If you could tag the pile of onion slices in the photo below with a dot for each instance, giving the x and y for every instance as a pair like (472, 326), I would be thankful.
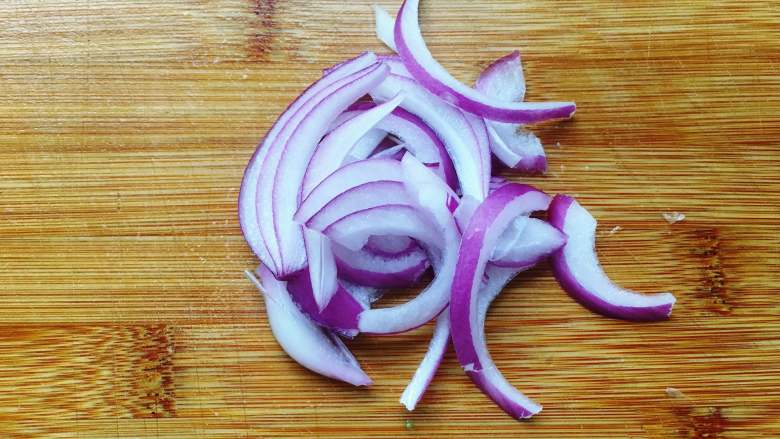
(382, 170)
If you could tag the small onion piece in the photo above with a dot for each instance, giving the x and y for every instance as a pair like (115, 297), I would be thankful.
(576, 268)
(385, 27)
(503, 79)
(513, 146)
(342, 312)
(433, 76)
(366, 268)
(487, 224)
(534, 242)
(313, 347)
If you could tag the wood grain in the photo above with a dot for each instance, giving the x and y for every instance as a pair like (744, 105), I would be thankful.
(124, 129)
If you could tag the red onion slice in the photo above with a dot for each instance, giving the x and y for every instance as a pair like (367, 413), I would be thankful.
(391, 246)
(487, 224)
(418, 139)
(364, 267)
(345, 178)
(334, 148)
(247, 213)
(514, 147)
(340, 314)
(430, 363)
(577, 269)
(354, 229)
(449, 124)
(425, 69)
(503, 79)
(534, 242)
(496, 279)
(278, 193)
(385, 27)
(308, 344)
(323, 271)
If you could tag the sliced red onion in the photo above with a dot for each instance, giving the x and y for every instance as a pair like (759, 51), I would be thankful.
(425, 69)
(449, 124)
(423, 376)
(577, 269)
(282, 173)
(345, 178)
(391, 246)
(536, 241)
(496, 279)
(323, 271)
(247, 213)
(397, 66)
(330, 153)
(487, 224)
(340, 314)
(418, 139)
(373, 140)
(354, 229)
(514, 147)
(362, 197)
(308, 344)
(328, 156)
(503, 79)
(394, 152)
(385, 24)
(497, 182)
(366, 268)
(518, 149)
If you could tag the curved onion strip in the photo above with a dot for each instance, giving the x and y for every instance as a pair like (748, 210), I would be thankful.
(366, 268)
(279, 189)
(496, 279)
(265, 187)
(385, 24)
(534, 242)
(247, 214)
(340, 314)
(577, 269)
(449, 124)
(323, 272)
(311, 346)
(487, 224)
(354, 229)
(423, 376)
(364, 196)
(418, 139)
(328, 156)
(334, 148)
(425, 69)
(347, 177)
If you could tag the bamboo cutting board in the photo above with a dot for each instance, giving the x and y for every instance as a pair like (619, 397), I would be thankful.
(124, 129)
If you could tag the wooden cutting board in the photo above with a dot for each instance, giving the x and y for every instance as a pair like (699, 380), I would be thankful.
(124, 130)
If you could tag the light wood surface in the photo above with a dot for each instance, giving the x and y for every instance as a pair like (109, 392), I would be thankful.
(124, 130)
